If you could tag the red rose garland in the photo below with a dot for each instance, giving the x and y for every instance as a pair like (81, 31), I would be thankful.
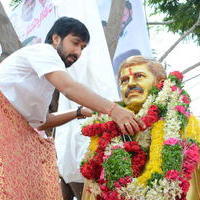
(111, 127)
(98, 129)
(152, 116)
(139, 158)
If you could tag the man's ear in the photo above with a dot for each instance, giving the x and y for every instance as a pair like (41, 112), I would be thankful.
(56, 40)
(159, 83)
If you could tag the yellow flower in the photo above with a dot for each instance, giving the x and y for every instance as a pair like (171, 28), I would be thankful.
(155, 159)
(94, 141)
(192, 130)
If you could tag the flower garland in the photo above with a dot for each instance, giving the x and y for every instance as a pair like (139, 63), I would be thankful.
(125, 170)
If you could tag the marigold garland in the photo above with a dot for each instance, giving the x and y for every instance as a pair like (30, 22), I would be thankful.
(93, 143)
(155, 160)
(192, 129)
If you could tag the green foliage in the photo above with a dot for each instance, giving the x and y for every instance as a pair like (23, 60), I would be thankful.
(183, 119)
(154, 90)
(176, 80)
(162, 110)
(184, 14)
(154, 176)
(15, 3)
(118, 165)
(172, 157)
(192, 141)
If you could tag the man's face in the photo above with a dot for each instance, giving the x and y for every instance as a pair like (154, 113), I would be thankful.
(70, 48)
(135, 83)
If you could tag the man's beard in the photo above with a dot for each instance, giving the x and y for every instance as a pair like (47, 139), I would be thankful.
(64, 58)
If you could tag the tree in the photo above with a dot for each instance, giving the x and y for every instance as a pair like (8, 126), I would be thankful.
(182, 15)
(15, 3)
(9, 40)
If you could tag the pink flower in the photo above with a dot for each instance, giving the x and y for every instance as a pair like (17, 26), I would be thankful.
(175, 88)
(177, 74)
(116, 147)
(171, 141)
(190, 161)
(102, 175)
(193, 153)
(185, 99)
(182, 110)
(172, 174)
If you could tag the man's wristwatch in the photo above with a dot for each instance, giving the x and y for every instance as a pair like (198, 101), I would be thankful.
(79, 115)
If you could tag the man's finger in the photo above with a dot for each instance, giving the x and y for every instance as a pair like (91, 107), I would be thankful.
(123, 130)
(135, 125)
(140, 122)
(129, 128)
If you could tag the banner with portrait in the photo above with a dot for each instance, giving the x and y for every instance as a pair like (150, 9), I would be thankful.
(32, 20)
(133, 38)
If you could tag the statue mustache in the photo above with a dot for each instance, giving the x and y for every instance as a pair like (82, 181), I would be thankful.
(133, 88)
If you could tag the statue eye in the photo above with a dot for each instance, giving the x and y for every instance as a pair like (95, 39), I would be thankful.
(139, 75)
(124, 80)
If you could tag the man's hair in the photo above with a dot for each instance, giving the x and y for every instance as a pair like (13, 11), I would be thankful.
(154, 67)
(65, 26)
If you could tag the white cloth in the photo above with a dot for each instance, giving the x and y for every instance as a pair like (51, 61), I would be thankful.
(93, 69)
(23, 82)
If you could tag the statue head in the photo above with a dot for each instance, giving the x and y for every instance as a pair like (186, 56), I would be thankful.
(137, 75)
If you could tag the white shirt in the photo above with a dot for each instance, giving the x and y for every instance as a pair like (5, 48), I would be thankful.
(23, 82)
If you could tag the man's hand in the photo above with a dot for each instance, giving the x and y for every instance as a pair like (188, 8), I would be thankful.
(126, 120)
(85, 112)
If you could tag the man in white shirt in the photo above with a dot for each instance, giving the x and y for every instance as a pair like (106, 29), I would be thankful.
(33, 72)
(29, 76)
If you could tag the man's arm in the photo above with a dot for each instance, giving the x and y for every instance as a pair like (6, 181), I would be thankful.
(55, 119)
(86, 97)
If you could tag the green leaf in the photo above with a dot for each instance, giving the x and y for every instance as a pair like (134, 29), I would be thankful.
(118, 165)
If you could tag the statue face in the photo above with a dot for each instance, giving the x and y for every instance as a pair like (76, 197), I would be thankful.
(135, 83)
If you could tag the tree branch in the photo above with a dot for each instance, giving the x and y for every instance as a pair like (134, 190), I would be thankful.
(191, 68)
(180, 39)
(160, 23)
(191, 78)
(113, 27)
